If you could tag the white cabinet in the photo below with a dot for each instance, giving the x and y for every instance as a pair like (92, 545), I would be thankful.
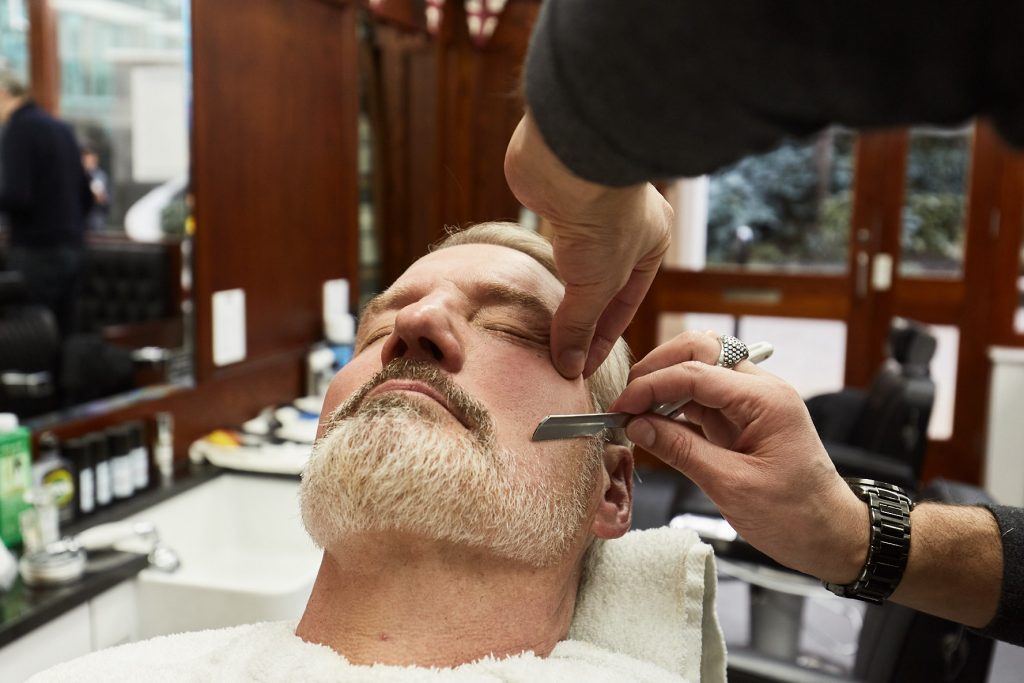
(59, 640)
(111, 618)
(114, 616)
(1004, 466)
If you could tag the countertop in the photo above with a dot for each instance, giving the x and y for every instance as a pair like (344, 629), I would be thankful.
(23, 609)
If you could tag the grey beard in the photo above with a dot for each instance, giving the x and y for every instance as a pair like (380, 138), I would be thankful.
(391, 464)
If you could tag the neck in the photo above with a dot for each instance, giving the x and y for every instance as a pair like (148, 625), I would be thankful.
(407, 602)
(11, 105)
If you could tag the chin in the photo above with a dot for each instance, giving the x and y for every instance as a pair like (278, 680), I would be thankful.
(394, 469)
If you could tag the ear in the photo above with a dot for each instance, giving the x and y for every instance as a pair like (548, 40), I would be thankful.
(615, 509)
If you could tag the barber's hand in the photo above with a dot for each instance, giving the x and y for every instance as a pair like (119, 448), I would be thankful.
(608, 245)
(758, 456)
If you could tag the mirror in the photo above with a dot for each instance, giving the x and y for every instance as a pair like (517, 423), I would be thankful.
(120, 329)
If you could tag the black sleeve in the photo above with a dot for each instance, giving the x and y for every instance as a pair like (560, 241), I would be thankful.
(16, 173)
(1008, 624)
(633, 90)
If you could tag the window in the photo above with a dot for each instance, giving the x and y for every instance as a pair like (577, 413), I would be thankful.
(14, 36)
(788, 209)
(124, 88)
(934, 207)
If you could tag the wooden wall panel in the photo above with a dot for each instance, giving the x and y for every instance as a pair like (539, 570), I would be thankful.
(44, 63)
(480, 105)
(444, 115)
(404, 113)
(276, 97)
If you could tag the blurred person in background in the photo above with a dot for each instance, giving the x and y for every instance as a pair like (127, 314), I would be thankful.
(99, 184)
(45, 198)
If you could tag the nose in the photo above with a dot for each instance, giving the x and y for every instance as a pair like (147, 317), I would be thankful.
(424, 330)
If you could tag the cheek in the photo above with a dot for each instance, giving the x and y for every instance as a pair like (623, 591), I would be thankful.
(348, 380)
(520, 390)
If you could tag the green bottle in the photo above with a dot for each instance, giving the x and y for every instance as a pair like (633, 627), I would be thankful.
(15, 476)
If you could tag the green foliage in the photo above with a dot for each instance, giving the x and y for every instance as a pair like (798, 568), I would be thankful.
(777, 195)
(801, 219)
(933, 214)
(933, 230)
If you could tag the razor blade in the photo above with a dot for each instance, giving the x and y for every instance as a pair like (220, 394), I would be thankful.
(555, 427)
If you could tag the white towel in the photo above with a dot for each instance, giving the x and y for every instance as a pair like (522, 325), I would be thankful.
(645, 613)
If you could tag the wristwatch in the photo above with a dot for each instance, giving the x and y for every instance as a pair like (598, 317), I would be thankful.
(890, 510)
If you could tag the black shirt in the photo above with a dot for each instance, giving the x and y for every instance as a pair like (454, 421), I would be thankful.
(44, 190)
(631, 90)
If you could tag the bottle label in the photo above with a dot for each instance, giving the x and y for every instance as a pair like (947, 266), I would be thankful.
(124, 477)
(140, 469)
(103, 482)
(86, 491)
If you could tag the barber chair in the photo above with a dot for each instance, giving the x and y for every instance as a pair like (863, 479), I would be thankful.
(124, 283)
(127, 320)
(29, 348)
(882, 433)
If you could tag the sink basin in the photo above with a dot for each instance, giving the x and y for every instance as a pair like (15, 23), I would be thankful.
(245, 556)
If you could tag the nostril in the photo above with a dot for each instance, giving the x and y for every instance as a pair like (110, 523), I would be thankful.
(400, 348)
(431, 348)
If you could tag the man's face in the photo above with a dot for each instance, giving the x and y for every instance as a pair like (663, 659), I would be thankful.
(439, 443)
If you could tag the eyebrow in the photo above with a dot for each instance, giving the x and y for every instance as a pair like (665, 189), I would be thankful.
(488, 292)
(499, 293)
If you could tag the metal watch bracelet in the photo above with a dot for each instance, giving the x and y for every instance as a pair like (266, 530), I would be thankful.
(889, 547)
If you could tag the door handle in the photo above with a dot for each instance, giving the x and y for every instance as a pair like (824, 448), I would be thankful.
(863, 262)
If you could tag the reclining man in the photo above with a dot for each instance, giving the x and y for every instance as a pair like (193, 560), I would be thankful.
(451, 540)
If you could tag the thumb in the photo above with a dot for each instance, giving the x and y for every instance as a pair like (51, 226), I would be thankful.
(572, 328)
(680, 447)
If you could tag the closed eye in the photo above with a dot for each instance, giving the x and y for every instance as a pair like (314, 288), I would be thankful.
(374, 338)
(519, 334)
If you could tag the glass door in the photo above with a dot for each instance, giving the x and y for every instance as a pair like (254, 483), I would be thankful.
(820, 244)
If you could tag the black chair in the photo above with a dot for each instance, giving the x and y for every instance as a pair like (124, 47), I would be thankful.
(124, 283)
(29, 351)
(882, 433)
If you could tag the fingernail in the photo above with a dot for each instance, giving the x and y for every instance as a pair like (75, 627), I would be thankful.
(641, 432)
(572, 362)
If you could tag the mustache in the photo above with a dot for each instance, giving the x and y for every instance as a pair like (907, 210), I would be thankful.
(467, 409)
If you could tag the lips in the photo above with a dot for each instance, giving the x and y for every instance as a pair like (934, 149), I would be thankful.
(418, 387)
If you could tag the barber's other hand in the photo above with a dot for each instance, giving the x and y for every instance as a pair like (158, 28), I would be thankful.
(756, 455)
(608, 245)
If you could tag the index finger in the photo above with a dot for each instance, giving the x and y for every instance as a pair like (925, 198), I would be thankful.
(739, 396)
(619, 312)
(690, 345)
(573, 325)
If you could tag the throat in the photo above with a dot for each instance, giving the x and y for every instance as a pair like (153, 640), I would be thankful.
(437, 611)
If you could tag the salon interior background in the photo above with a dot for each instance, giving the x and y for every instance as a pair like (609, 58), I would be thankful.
(346, 157)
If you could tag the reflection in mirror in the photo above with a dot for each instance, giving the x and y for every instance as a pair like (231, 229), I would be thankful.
(94, 271)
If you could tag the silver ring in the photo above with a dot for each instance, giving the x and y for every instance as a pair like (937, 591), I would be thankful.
(733, 351)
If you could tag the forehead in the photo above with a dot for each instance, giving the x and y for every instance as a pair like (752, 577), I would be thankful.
(469, 264)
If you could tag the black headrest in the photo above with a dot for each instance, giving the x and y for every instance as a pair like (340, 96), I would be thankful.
(12, 288)
(912, 346)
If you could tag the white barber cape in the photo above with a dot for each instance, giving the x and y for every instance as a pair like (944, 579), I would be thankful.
(645, 612)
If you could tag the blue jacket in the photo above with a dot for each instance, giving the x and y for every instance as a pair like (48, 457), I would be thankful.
(44, 190)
